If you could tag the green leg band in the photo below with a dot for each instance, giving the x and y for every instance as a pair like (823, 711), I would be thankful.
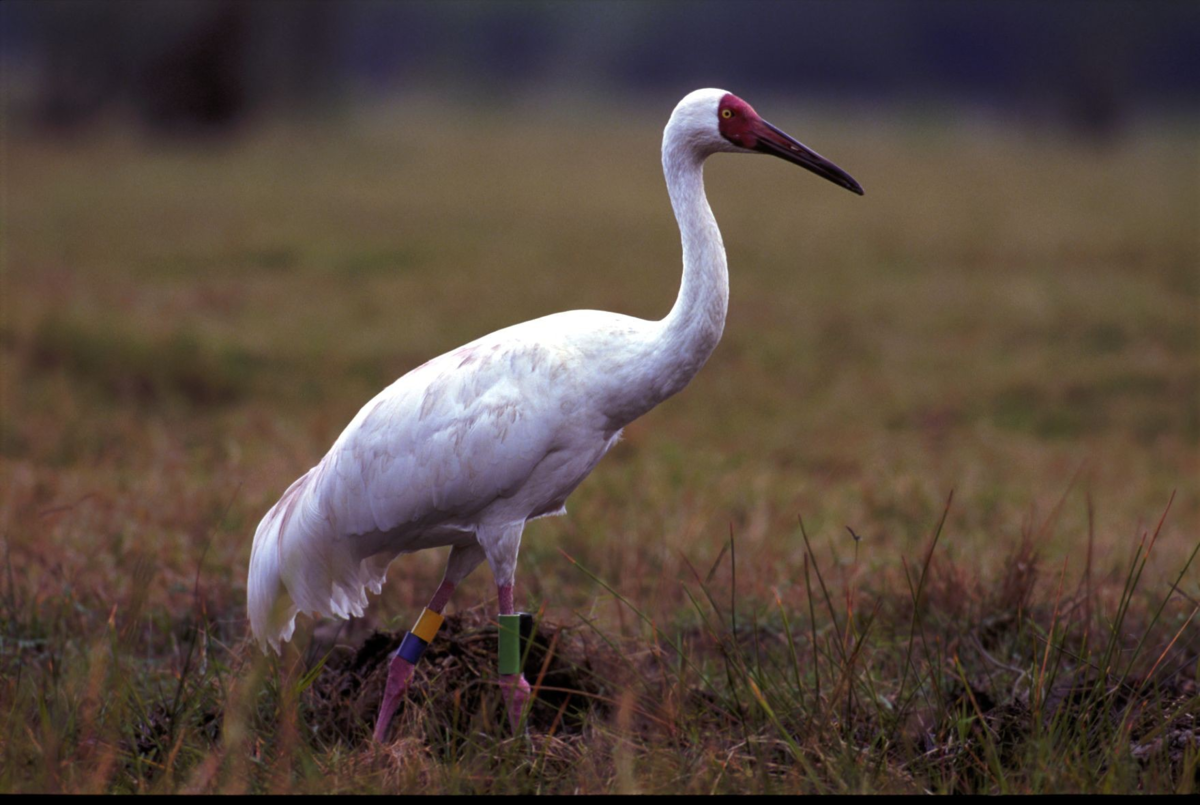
(510, 644)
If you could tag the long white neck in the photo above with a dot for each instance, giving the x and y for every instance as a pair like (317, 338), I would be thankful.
(690, 332)
(671, 351)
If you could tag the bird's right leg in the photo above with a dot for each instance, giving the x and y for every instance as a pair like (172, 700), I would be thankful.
(462, 561)
(502, 546)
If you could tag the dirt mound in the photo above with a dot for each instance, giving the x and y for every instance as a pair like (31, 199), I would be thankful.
(455, 684)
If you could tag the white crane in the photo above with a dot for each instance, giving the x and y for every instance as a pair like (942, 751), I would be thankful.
(464, 450)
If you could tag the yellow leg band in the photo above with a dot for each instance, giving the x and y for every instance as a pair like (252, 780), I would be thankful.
(427, 625)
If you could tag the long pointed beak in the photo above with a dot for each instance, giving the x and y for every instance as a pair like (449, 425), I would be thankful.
(770, 140)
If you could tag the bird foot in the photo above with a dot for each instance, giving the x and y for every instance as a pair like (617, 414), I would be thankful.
(399, 675)
(516, 692)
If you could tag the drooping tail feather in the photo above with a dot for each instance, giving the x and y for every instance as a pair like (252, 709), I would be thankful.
(272, 611)
(298, 563)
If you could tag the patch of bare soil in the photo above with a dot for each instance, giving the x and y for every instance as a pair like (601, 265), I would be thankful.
(456, 680)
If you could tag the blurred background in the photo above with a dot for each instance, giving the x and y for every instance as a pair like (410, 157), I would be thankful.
(228, 224)
(188, 65)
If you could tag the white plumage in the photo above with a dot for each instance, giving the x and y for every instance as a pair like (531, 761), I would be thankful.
(465, 449)
(478, 440)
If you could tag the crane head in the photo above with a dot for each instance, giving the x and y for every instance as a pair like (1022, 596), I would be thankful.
(716, 120)
(740, 124)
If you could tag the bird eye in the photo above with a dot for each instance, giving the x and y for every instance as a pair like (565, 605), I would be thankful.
(726, 113)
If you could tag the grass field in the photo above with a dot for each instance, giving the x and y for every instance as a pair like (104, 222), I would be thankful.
(1008, 316)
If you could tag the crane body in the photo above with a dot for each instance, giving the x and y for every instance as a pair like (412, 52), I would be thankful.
(456, 452)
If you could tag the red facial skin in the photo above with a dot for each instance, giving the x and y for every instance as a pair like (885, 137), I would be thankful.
(738, 126)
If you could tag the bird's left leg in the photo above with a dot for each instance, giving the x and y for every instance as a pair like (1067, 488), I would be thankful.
(501, 547)
(463, 559)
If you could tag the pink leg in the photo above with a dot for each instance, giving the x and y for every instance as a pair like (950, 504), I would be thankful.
(513, 687)
(401, 670)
